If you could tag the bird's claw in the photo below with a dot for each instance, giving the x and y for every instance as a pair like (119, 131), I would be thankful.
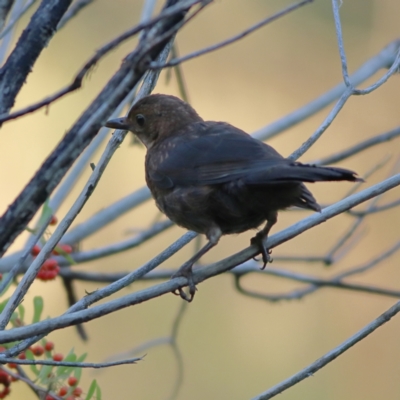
(186, 272)
(265, 253)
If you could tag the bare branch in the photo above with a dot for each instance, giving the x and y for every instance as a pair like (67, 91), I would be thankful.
(80, 135)
(5, 7)
(18, 361)
(77, 82)
(35, 37)
(75, 8)
(376, 209)
(339, 36)
(73, 316)
(342, 155)
(233, 39)
(49, 175)
(16, 18)
(330, 356)
(384, 59)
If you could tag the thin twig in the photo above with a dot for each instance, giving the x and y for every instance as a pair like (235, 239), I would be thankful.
(75, 8)
(330, 356)
(77, 82)
(15, 19)
(342, 155)
(5, 7)
(384, 59)
(5, 360)
(339, 36)
(232, 39)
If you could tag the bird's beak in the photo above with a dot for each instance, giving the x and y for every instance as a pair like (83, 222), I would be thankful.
(118, 123)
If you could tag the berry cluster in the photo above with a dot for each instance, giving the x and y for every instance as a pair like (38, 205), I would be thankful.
(70, 391)
(50, 268)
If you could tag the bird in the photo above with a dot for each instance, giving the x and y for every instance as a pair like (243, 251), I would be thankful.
(215, 179)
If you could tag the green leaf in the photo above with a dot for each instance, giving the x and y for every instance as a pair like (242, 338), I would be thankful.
(98, 392)
(21, 310)
(31, 357)
(91, 390)
(11, 282)
(64, 371)
(3, 304)
(47, 212)
(37, 308)
(44, 373)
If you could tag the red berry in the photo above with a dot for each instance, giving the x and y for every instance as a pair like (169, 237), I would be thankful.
(72, 381)
(49, 270)
(37, 350)
(49, 346)
(4, 378)
(4, 392)
(63, 391)
(49, 264)
(35, 250)
(77, 392)
(53, 220)
(58, 357)
(49, 397)
(11, 365)
(22, 356)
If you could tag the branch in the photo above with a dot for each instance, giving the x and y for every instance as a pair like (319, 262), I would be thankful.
(4, 360)
(235, 38)
(77, 82)
(382, 138)
(330, 356)
(75, 8)
(16, 18)
(5, 7)
(384, 59)
(35, 37)
(73, 317)
(16, 218)
(120, 85)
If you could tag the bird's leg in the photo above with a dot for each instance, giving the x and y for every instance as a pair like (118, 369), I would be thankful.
(263, 234)
(186, 270)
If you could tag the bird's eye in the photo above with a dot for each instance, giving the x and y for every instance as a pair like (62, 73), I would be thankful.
(140, 119)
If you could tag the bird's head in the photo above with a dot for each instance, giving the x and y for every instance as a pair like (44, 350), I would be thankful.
(156, 117)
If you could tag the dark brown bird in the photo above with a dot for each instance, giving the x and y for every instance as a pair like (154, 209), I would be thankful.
(213, 178)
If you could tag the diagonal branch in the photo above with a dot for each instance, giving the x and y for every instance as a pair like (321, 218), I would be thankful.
(35, 37)
(18, 215)
(79, 312)
(78, 80)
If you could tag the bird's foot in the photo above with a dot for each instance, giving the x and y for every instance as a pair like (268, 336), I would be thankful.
(186, 272)
(265, 253)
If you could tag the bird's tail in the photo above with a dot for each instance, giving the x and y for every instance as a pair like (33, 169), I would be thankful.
(313, 173)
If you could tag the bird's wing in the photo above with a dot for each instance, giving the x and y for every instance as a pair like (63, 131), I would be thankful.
(209, 153)
(213, 153)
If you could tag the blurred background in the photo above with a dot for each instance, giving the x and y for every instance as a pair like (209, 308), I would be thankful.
(233, 347)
